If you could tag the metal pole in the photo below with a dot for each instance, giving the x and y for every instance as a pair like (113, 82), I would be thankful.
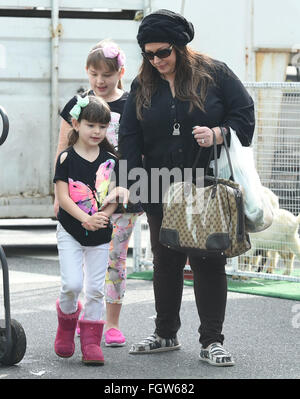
(182, 7)
(5, 273)
(55, 31)
(250, 73)
(147, 7)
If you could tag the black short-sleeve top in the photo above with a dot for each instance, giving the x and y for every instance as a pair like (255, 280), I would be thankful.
(88, 184)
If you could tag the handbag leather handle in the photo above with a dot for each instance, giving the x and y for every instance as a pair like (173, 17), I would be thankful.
(227, 151)
(194, 167)
(215, 155)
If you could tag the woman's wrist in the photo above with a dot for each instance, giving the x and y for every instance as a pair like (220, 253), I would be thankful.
(85, 218)
(225, 129)
(218, 133)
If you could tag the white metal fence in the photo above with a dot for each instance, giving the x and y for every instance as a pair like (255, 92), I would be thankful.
(275, 253)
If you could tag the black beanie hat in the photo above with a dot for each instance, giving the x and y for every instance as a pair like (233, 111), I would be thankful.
(165, 26)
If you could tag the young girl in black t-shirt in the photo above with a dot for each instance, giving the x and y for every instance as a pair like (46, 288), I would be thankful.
(85, 173)
(105, 69)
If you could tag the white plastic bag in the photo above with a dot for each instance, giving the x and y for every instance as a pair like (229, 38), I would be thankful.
(258, 209)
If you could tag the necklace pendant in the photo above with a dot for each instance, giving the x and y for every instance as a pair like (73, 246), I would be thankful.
(176, 127)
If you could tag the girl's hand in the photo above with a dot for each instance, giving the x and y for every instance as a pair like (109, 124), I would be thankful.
(204, 135)
(95, 222)
(115, 194)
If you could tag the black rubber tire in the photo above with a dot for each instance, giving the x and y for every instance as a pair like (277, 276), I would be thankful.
(4, 133)
(18, 345)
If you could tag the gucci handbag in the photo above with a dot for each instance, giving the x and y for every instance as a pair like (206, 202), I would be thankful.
(207, 220)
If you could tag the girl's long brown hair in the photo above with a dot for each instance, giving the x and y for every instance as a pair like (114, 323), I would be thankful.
(97, 111)
(192, 68)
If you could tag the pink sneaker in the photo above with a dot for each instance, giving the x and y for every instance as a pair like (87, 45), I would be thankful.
(114, 337)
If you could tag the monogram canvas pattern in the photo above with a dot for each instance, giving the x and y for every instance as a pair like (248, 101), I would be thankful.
(196, 216)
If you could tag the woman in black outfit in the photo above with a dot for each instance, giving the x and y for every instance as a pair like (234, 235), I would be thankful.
(176, 100)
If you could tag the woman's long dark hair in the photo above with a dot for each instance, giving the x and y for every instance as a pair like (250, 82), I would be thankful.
(97, 111)
(192, 68)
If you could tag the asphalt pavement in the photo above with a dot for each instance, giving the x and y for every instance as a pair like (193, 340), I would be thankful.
(262, 333)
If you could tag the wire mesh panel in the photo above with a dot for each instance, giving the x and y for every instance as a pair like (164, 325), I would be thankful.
(275, 252)
(277, 139)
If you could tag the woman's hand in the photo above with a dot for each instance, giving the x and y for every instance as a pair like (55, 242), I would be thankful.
(116, 194)
(204, 135)
(98, 220)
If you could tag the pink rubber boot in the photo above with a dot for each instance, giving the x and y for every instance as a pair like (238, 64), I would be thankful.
(90, 339)
(64, 344)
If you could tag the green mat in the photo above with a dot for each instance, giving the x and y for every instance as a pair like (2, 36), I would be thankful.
(255, 286)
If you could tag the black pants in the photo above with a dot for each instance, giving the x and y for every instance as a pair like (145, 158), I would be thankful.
(210, 288)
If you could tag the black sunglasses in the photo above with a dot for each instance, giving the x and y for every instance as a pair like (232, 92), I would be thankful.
(163, 53)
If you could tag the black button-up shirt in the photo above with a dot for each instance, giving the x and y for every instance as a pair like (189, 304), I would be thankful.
(149, 143)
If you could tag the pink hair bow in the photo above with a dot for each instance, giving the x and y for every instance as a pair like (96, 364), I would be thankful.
(112, 51)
